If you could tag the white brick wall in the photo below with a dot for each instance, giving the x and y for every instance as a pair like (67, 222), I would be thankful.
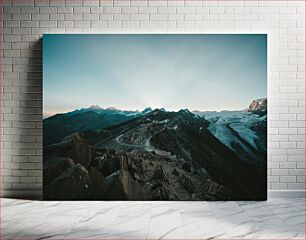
(24, 22)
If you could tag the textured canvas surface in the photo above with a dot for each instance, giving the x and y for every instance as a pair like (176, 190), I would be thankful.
(155, 117)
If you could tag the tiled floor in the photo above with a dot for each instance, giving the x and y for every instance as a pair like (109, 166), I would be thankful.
(274, 219)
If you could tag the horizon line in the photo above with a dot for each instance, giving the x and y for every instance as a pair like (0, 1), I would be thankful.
(50, 114)
(141, 109)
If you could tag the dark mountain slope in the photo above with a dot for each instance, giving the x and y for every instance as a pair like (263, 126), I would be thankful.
(219, 161)
(61, 125)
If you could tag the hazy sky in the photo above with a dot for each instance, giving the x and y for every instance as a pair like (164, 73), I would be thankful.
(129, 72)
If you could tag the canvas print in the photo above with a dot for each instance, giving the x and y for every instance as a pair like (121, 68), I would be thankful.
(155, 117)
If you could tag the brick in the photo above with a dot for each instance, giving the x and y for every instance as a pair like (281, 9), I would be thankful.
(21, 16)
(278, 151)
(81, 10)
(296, 158)
(185, 24)
(35, 31)
(57, 3)
(19, 173)
(300, 165)
(74, 3)
(288, 145)
(288, 53)
(130, 24)
(228, 17)
(139, 17)
(127, 10)
(21, 31)
(288, 179)
(202, 10)
(9, 9)
(63, 10)
(296, 45)
(44, 16)
(91, 3)
(104, 17)
(11, 24)
(47, 23)
(296, 172)
(158, 3)
(11, 179)
(148, 24)
(139, 3)
(73, 16)
(210, 17)
(122, 3)
(40, 3)
(36, 173)
(29, 24)
(29, 10)
(216, 10)
(166, 10)
(242, 10)
(273, 179)
(300, 179)
(98, 24)
(57, 17)
(242, 24)
(268, 10)
(296, 151)
(11, 53)
(111, 10)
(265, 24)
(273, 165)
(147, 9)
(28, 179)
(121, 17)
(113, 24)
(167, 24)
(96, 10)
(185, 10)
(287, 116)
(277, 186)
(91, 16)
(222, 24)
(106, 3)
(82, 24)
(176, 3)
(22, 3)
(191, 3)
(296, 186)
(297, 124)
(193, 17)
(287, 131)
(176, 17)
(230, 3)
(287, 165)
(11, 38)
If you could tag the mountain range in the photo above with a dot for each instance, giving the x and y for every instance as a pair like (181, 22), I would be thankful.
(58, 126)
(110, 154)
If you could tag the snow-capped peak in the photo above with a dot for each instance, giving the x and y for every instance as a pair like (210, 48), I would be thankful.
(258, 105)
(97, 107)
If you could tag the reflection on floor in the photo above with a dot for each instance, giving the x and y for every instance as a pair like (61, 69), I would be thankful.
(274, 219)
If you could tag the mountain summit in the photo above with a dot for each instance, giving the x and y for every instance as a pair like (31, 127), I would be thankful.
(96, 107)
(258, 105)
